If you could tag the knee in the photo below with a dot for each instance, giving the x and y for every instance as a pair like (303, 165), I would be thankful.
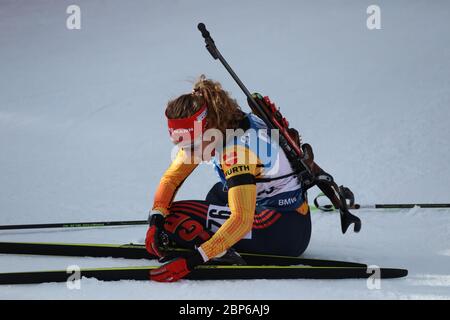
(185, 231)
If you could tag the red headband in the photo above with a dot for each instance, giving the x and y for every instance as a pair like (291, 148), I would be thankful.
(194, 125)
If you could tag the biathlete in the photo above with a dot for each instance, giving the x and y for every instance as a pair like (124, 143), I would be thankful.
(259, 206)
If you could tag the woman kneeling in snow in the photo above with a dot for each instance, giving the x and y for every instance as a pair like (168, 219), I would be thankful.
(260, 206)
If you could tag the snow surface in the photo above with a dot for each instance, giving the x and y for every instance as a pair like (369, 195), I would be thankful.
(83, 136)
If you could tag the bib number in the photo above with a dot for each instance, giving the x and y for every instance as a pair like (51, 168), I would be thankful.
(217, 215)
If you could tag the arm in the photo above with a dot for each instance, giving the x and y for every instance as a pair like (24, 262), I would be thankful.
(242, 201)
(171, 180)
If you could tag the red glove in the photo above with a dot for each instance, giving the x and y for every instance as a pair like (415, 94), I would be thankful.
(152, 239)
(176, 269)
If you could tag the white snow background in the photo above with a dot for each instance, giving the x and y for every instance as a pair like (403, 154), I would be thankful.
(83, 135)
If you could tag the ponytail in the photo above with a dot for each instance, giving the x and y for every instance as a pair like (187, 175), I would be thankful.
(223, 111)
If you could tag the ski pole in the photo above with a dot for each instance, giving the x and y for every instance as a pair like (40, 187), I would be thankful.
(403, 206)
(74, 225)
(330, 207)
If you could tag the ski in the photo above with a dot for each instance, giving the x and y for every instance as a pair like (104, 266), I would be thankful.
(138, 251)
(204, 272)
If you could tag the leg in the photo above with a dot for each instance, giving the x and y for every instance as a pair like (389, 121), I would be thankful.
(287, 233)
(185, 225)
(191, 223)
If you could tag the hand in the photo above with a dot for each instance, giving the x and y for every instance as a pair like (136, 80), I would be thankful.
(152, 239)
(177, 269)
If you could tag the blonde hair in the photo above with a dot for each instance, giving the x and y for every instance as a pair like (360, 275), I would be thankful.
(223, 111)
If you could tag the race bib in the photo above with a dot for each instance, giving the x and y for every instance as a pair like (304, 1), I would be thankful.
(217, 215)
